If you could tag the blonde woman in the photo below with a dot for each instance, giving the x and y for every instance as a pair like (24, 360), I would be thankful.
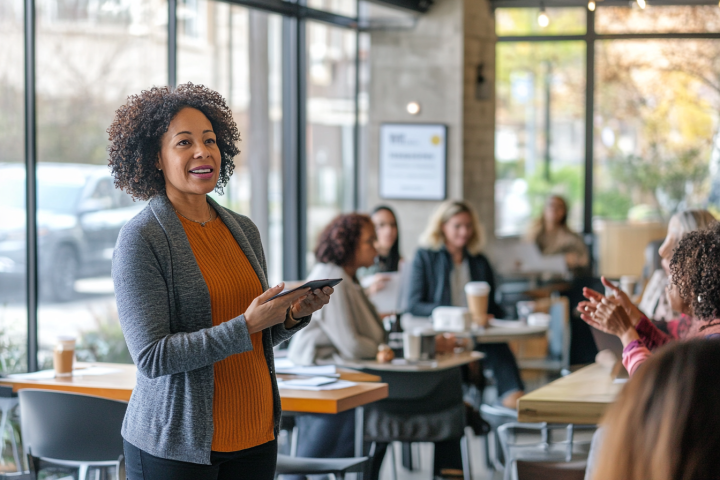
(450, 256)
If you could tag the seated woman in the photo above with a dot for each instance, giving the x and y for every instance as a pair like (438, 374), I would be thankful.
(553, 236)
(449, 259)
(664, 424)
(693, 290)
(387, 244)
(654, 301)
(348, 327)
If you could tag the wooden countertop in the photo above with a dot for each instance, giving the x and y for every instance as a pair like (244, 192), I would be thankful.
(581, 397)
(120, 384)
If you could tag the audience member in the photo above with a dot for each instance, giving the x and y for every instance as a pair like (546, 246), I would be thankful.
(654, 301)
(387, 244)
(693, 290)
(449, 258)
(663, 425)
(552, 235)
(347, 328)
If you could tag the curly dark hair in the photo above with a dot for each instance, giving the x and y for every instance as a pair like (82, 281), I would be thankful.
(339, 240)
(694, 268)
(140, 124)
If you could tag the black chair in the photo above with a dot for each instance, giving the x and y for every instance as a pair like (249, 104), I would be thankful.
(72, 430)
(337, 467)
(421, 407)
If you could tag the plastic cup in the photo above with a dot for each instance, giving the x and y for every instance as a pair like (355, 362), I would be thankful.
(64, 356)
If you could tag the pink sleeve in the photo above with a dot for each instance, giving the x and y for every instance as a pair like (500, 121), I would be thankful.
(634, 355)
(651, 336)
(672, 326)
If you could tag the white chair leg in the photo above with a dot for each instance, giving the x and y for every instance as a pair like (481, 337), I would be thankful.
(465, 451)
(294, 441)
(82, 472)
(393, 463)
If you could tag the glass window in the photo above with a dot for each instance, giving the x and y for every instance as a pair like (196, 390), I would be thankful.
(340, 7)
(658, 19)
(90, 57)
(330, 126)
(524, 21)
(13, 311)
(215, 52)
(539, 132)
(656, 127)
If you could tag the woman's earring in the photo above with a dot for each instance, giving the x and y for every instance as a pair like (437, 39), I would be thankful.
(159, 169)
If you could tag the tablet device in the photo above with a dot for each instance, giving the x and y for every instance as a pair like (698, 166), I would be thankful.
(312, 285)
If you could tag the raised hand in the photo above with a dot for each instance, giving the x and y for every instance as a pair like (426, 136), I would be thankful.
(619, 298)
(612, 318)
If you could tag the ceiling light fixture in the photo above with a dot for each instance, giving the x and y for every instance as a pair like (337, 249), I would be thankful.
(641, 4)
(543, 19)
(591, 5)
(413, 108)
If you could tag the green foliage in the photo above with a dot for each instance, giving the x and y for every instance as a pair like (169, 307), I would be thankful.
(611, 204)
(105, 343)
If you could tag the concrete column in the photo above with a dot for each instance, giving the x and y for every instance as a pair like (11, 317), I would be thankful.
(435, 64)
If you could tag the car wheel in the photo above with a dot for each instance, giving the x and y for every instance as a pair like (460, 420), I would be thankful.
(63, 274)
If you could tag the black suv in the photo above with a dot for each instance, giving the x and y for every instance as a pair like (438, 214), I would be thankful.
(79, 216)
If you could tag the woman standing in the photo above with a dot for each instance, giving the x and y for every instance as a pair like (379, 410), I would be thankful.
(191, 284)
(452, 257)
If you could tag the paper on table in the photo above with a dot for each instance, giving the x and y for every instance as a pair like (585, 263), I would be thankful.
(287, 367)
(308, 382)
(49, 374)
(494, 322)
(338, 385)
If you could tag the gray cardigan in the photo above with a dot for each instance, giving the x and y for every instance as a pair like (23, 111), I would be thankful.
(164, 307)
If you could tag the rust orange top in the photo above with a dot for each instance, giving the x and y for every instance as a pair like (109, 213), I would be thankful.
(243, 401)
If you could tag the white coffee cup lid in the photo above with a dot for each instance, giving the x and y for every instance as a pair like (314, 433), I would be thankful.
(477, 288)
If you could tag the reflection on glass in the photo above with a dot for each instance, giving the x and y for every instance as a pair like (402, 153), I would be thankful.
(330, 126)
(658, 19)
(539, 132)
(656, 124)
(13, 311)
(214, 49)
(524, 21)
(90, 57)
(340, 7)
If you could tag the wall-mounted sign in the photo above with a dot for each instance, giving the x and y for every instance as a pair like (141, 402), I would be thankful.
(413, 161)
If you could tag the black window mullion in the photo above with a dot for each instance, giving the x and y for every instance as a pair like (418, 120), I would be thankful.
(31, 252)
(172, 43)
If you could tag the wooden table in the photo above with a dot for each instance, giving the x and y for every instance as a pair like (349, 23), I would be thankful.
(581, 397)
(497, 334)
(119, 386)
(442, 362)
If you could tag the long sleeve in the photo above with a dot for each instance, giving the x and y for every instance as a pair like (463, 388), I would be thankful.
(145, 317)
(634, 355)
(420, 301)
(337, 320)
(651, 336)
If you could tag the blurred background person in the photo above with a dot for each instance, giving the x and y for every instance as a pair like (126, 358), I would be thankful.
(348, 328)
(663, 425)
(451, 257)
(552, 236)
(387, 245)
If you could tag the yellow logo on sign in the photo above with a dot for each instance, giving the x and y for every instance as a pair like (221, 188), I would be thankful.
(435, 140)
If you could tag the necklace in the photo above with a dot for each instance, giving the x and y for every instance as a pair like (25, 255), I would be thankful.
(202, 224)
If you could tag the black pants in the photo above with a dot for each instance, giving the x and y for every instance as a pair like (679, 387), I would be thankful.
(447, 455)
(500, 359)
(257, 463)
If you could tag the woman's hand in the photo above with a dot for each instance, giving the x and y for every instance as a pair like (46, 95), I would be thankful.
(620, 298)
(379, 282)
(311, 302)
(612, 318)
(261, 315)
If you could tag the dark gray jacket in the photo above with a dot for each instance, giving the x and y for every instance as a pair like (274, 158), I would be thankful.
(430, 281)
(164, 308)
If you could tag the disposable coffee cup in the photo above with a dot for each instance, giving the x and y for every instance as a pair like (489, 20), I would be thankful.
(477, 294)
(412, 343)
(64, 356)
